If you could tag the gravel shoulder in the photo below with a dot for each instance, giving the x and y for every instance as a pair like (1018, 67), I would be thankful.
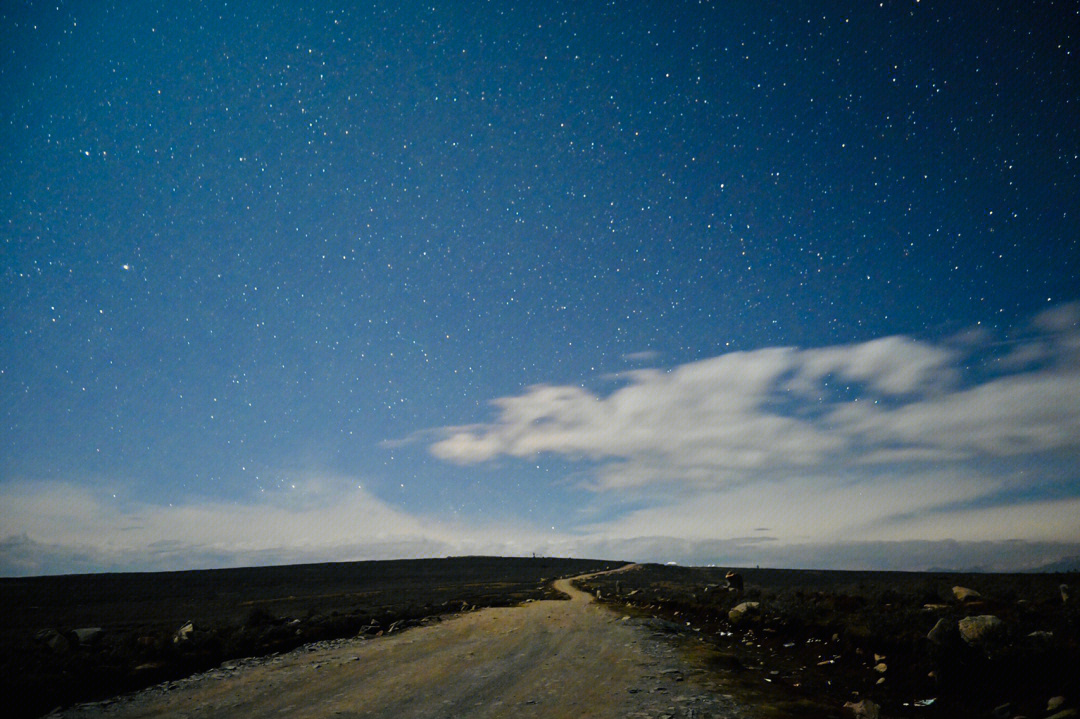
(542, 659)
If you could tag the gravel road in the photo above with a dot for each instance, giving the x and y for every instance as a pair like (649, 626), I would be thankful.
(543, 659)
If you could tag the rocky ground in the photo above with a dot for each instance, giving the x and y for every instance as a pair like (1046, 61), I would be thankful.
(91, 637)
(851, 644)
(547, 659)
(789, 643)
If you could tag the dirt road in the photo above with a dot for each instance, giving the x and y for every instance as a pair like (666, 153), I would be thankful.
(543, 659)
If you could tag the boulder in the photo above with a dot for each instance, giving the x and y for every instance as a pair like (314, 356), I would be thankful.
(54, 640)
(734, 581)
(865, 709)
(982, 630)
(942, 632)
(183, 634)
(744, 612)
(1055, 703)
(1063, 714)
(88, 635)
(964, 594)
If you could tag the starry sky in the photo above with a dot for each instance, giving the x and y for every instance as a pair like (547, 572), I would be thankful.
(791, 284)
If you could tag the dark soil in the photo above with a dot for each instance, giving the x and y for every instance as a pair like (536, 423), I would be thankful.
(234, 613)
(812, 646)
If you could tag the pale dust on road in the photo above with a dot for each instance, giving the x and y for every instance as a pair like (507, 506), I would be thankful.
(559, 659)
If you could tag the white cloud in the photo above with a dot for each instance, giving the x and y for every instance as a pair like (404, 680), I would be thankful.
(715, 420)
(49, 526)
(892, 439)
(884, 454)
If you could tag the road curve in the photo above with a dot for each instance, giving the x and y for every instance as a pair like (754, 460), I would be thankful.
(557, 659)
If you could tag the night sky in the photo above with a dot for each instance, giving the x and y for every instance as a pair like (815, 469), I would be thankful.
(738, 283)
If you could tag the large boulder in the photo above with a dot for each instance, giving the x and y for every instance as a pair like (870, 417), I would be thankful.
(982, 631)
(964, 594)
(744, 612)
(54, 640)
(183, 634)
(943, 632)
(88, 635)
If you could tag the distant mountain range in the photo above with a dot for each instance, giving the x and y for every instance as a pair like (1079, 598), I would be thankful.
(1066, 564)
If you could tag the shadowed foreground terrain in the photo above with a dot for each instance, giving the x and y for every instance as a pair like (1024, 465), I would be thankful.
(166, 625)
(789, 643)
(914, 644)
(549, 659)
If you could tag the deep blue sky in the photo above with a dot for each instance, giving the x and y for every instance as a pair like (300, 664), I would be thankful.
(264, 247)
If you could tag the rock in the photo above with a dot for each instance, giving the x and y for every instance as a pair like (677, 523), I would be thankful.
(881, 668)
(1063, 714)
(1041, 637)
(1055, 703)
(1003, 711)
(941, 632)
(964, 594)
(981, 630)
(183, 634)
(88, 635)
(865, 709)
(1064, 589)
(734, 581)
(54, 640)
(743, 612)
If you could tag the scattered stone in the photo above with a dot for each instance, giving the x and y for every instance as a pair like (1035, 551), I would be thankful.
(1041, 637)
(865, 709)
(54, 640)
(981, 630)
(88, 635)
(941, 631)
(183, 634)
(1063, 714)
(1064, 588)
(881, 668)
(879, 657)
(964, 594)
(1055, 703)
(743, 612)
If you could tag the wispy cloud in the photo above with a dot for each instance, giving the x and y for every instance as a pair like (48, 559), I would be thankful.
(712, 421)
(894, 438)
(63, 527)
(896, 453)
